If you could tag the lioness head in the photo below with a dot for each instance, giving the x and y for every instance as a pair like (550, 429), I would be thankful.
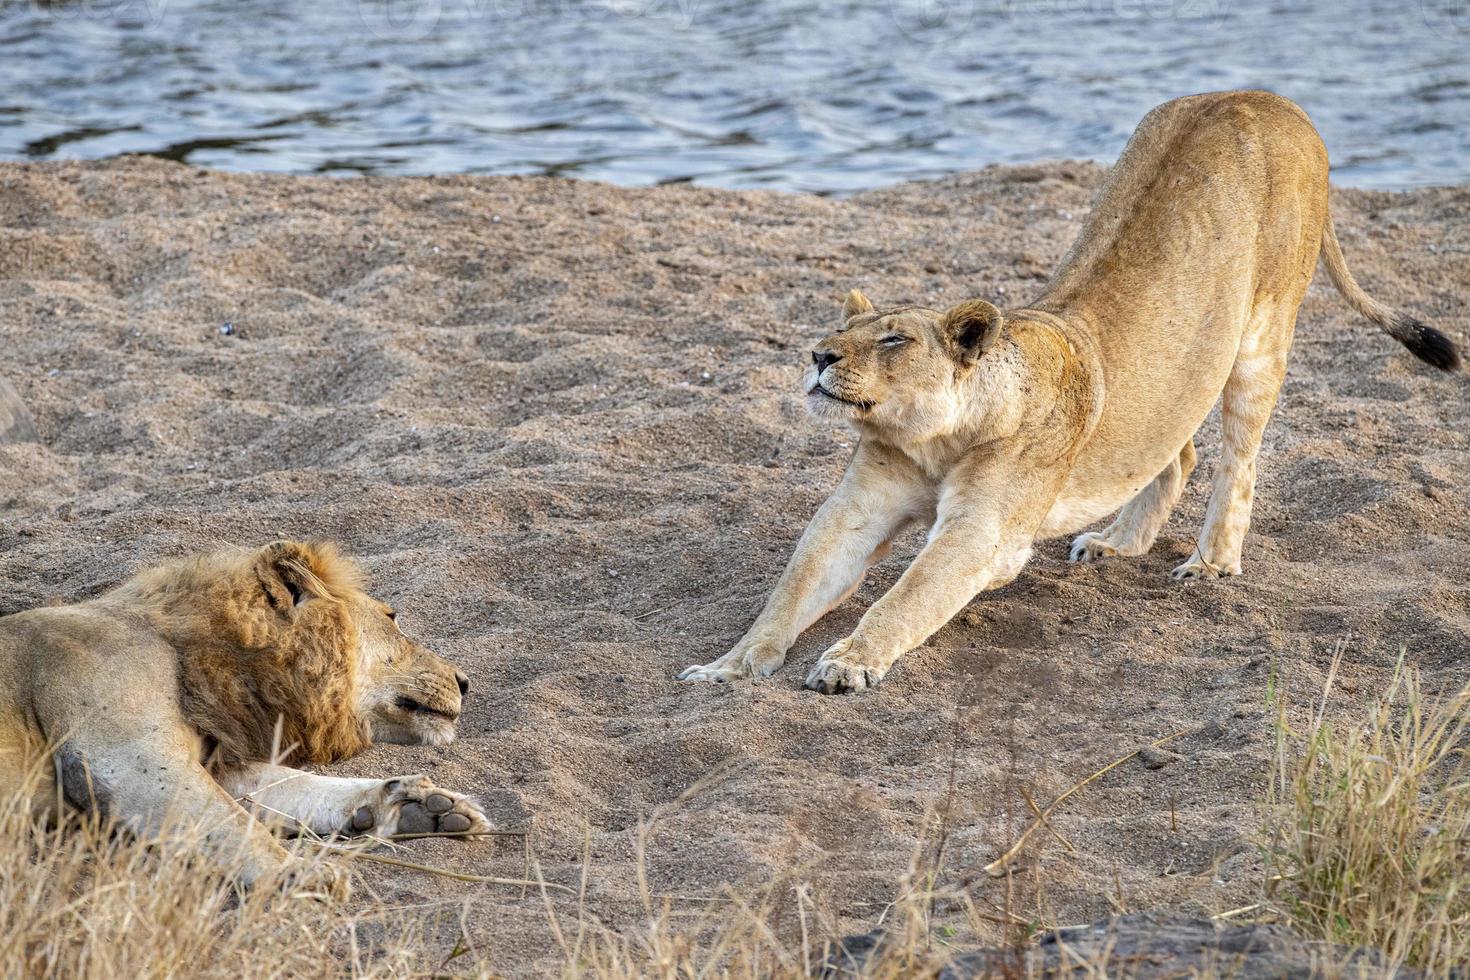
(283, 653)
(902, 368)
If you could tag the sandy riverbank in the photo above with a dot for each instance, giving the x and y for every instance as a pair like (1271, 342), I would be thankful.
(560, 422)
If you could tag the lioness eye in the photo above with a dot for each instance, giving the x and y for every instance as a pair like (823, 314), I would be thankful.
(894, 341)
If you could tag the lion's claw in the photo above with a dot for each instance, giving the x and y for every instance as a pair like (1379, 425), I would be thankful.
(839, 671)
(748, 660)
(836, 678)
(1197, 568)
(712, 672)
(1091, 547)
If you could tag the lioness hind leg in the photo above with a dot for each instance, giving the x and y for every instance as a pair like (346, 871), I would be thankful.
(1139, 522)
(1250, 395)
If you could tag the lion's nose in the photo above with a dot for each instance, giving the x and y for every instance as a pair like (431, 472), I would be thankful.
(824, 359)
(463, 682)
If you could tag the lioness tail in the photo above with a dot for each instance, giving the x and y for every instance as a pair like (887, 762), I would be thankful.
(1425, 342)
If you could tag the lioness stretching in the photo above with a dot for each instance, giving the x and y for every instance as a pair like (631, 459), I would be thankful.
(182, 687)
(997, 429)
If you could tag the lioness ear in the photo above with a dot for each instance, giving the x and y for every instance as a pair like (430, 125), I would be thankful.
(855, 303)
(284, 570)
(971, 329)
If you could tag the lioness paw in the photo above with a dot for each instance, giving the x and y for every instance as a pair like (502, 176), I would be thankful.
(753, 660)
(1198, 568)
(842, 669)
(1091, 547)
(414, 805)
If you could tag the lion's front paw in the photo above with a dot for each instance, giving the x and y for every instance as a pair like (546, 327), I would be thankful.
(843, 668)
(414, 805)
(753, 659)
(1091, 547)
(1198, 568)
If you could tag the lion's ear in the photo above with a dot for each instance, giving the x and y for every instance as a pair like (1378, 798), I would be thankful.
(854, 304)
(284, 570)
(971, 329)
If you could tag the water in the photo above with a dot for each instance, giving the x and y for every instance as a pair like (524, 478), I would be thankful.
(821, 95)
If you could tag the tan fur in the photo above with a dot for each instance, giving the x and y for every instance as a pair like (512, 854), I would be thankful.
(200, 675)
(996, 429)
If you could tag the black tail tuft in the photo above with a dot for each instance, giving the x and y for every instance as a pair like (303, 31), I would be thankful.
(1426, 343)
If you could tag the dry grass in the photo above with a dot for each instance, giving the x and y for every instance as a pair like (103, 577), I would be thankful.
(778, 930)
(1371, 841)
(1370, 846)
(83, 902)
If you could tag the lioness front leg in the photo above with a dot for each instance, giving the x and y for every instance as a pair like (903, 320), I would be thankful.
(880, 492)
(293, 801)
(976, 544)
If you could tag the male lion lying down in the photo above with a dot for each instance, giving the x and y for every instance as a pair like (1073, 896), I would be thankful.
(176, 688)
(997, 429)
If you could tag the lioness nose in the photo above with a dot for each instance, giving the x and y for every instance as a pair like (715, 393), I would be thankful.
(824, 359)
(463, 682)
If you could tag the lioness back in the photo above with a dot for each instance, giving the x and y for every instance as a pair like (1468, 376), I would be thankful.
(1215, 207)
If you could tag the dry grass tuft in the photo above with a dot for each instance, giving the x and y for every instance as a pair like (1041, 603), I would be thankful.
(777, 930)
(83, 902)
(1370, 845)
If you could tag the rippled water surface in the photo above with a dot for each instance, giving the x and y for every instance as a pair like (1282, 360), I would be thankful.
(825, 96)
